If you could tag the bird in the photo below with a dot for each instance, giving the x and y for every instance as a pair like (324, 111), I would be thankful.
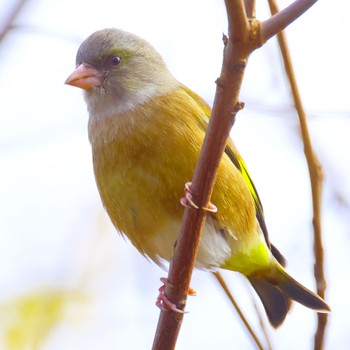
(146, 130)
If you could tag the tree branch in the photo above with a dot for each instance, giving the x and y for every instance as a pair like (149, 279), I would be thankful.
(250, 8)
(280, 20)
(316, 179)
(224, 111)
(244, 37)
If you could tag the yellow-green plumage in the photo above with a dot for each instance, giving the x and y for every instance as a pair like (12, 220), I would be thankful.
(146, 132)
(153, 157)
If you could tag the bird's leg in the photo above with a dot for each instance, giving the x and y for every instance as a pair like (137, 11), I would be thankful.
(188, 202)
(164, 303)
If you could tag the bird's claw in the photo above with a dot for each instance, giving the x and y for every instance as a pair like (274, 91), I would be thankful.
(188, 202)
(164, 303)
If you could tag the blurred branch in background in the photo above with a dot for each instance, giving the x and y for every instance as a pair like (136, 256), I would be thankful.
(7, 24)
(316, 179)
(250, 330)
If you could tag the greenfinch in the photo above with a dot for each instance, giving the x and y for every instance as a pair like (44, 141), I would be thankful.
(146, 130)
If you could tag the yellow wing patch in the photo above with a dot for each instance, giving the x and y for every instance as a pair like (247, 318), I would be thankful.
(237, 160)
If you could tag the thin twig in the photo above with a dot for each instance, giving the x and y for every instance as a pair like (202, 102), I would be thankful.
(228, 293)
(262, 325)
(316, 179)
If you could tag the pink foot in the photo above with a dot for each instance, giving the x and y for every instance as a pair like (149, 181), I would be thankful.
(164, 303)
(188, 202)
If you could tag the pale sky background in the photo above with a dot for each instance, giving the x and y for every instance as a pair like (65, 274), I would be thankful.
(54, 234)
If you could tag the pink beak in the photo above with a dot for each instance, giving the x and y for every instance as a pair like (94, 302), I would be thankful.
(85, 77)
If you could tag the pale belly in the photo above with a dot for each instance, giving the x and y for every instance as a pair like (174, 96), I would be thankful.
(214, 247)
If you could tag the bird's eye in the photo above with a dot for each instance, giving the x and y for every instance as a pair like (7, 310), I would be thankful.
(115, 60)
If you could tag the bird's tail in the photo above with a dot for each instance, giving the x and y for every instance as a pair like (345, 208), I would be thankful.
(276, 289)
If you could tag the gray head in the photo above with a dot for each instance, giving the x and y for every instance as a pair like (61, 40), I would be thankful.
(118, 71)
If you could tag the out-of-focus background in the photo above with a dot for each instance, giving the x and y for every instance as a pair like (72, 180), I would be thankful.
(67, 278)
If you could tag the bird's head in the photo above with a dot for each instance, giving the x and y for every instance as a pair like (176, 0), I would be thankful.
(118, 71)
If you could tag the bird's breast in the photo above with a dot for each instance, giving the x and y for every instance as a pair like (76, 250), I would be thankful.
(143, 158)
(140, 176)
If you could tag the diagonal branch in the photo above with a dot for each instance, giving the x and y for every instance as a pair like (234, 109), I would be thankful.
(316, 179)
(224, 111)
(244, 37)
(280, 20)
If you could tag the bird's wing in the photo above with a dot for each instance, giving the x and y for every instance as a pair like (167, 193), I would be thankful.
(237, 160)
